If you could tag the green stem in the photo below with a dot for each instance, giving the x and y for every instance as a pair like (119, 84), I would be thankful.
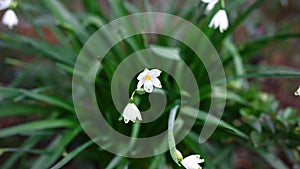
(131, 100)
(222, 4)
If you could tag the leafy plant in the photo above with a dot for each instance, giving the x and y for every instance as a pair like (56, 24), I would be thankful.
(40, 93)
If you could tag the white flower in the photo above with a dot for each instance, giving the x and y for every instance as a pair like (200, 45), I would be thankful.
(220, 20)
(148, 78)
(297, 92)
(10, 19)
(4, 4)
(211, 4)
(192, 162)
(131, 112)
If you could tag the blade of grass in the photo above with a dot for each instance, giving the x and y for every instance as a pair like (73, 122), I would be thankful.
(72, 155)
(66, 17)
(271, 158)
(55, 148)
(53, 52)
(49, 99)
(36, 125)
(250, 48)
(29, 143)
(202, 116)
(16, 109)
(134, 133)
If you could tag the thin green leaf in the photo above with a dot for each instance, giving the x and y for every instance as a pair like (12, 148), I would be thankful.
(49, 99)
(202, 116)
(67, 18)
(271, 158)
(250, 48)
(72, 155)
(36, 125)
(55, 148)
(15, 109)
(29, 143)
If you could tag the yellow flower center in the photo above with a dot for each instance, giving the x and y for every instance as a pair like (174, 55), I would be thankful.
(148, 77)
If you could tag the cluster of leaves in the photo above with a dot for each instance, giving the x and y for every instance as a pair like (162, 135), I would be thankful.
(50, 134)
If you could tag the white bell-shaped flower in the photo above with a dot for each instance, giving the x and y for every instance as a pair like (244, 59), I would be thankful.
(10, 19)
(192, 162)
(4, 4)
(131, 113)
(220, 20)
(148, 78)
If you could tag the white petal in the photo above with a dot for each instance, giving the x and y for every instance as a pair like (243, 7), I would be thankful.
(189, 165)
(192, 162)
(220, 20)
(4, 4)
(154, 73)
(207, 1)
(210, 6)
(212, 22)
(143, 74)
(140, 83)
(131, 112)
(10, 19)
(196, 158)
(155, 81)
(148, 86)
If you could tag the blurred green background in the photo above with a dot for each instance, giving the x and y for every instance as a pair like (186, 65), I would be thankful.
(260, 53)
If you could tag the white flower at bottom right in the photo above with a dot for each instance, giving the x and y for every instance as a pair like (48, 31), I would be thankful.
(220, 20)
(297, 92)
(192, 162)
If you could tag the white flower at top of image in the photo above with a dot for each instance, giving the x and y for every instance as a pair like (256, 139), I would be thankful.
(10, 19)
(131, 113)
(297, 92)
(210, 4)
(4, 4)
(192, 162)
(148, 78)
(220, 20)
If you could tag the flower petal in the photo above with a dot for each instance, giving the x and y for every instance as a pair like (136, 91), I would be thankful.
(154, 73)
(210, 6)
(131, 112)
(4, 4)
(192, 162)
(10, 19)
(140, 83)
(220, 20)
(207, 1)
(148, 86)
(143, 74)
(155, 81)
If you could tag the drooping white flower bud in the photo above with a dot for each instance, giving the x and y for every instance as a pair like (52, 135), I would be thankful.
(10, 19)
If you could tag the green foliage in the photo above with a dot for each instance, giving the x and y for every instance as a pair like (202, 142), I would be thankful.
(252, 119)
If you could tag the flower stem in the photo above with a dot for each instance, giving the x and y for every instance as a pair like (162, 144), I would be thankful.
(222, 4)
(131, 100)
